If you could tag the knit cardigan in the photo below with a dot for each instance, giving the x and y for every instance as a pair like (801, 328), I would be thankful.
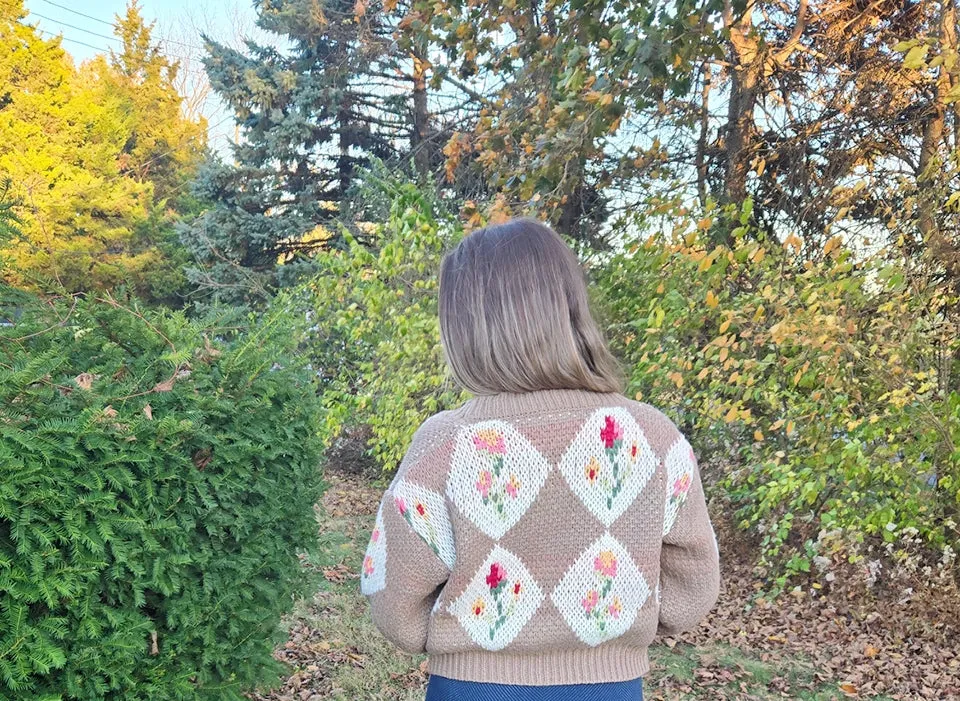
(542, 538)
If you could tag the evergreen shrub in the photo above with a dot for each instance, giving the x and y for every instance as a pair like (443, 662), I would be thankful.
(157, 479)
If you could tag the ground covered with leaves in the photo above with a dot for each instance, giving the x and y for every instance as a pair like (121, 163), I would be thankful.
(822, 641)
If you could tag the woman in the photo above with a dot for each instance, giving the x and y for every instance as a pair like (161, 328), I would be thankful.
(535, 541)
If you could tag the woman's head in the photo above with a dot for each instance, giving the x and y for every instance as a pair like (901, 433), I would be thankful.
(514, 314)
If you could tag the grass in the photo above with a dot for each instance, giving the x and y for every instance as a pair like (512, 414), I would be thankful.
(334, 644)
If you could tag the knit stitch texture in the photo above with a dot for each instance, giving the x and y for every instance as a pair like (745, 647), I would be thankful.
(542, 538)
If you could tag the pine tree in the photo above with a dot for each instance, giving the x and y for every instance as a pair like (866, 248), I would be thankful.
(309, 116)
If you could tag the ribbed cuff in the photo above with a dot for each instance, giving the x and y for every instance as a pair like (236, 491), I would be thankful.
(575, 666)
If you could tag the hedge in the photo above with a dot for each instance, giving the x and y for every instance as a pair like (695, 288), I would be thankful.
(157, 479)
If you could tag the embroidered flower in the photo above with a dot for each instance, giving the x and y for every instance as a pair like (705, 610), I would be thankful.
(484, 482)
(516, 588)
(368, 565)
(490, 441)
(478, 606)
(375, 536)
(592, 470)
(513, 486)
(496, 576)
(615, 608)
(682, 485)
(590, 601)
(401, 505)
(611, 432)
(606, 563)
(421, 509)
(633, 452)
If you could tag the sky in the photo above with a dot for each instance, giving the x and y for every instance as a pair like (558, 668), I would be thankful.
(86, 29)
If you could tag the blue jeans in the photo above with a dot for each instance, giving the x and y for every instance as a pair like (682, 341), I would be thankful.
(444, 689)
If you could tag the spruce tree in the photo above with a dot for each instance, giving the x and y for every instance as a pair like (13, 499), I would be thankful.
(308, 114)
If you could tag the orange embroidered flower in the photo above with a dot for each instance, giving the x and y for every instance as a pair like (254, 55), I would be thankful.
(592, 470)
(478, 607)
(483, 484)
(606, 563)
(490, 441)
(615, 608)
(513, 486)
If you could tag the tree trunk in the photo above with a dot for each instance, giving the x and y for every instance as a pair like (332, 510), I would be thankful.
(702, 140)
(745, 70)
(421, 116)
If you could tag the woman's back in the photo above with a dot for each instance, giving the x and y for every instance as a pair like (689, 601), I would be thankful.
(542, 538)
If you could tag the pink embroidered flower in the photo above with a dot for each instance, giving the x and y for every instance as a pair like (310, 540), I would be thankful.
(421, 509)
(368, 565)
(516, 588)
(606, 563)
(592, 470)
(490, 441)
(401, 505)
(513, 486)
(611, 432)
(615, 608)
(681, 486)
(590, 601)
(478, 606)
(496, 576)
(375, 536)
(483, 484)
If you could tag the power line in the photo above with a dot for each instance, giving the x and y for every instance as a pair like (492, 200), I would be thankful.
(108, 38)
(114, 25)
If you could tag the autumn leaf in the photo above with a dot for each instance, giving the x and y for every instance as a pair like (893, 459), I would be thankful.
(712, 300)
(148, 411)
(84, 380)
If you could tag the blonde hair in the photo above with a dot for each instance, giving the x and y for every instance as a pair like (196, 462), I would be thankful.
(515, 315)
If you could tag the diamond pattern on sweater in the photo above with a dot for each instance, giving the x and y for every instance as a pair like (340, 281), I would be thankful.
(501, 597)
(426, 513)
(373, 575)
(495, 475)
(679, 465)
(602, 592)
(609, 463)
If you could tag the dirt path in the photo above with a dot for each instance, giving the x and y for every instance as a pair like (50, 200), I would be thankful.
(812, 644)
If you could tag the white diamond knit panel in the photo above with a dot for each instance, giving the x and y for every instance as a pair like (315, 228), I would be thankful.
(426, 513)
(373, 574)
(501, 597)
(602, 592)
(495, 475)
(679, 465)
(609, 463)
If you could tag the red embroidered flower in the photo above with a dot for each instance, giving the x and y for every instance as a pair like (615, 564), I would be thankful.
(633, 451)
(610, 432)
(497, 575)
(401, 506)
(516, 589)
(591, 470)
(421, 510)
(478, 606)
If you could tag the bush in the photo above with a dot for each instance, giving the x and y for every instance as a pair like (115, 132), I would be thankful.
(157, 477)
(376, 339)
(817, 381)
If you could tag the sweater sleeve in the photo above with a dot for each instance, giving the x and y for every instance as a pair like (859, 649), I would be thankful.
(409, 555)
(689, 558)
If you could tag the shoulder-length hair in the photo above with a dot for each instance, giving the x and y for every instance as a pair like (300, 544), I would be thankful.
(515, 315)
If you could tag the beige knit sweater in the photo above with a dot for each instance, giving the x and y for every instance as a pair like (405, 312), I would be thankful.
(542, 538)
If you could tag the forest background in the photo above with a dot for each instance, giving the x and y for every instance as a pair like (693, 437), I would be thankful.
(764, 194)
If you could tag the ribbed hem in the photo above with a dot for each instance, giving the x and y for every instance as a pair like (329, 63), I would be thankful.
(541, 401)
(577, 666)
